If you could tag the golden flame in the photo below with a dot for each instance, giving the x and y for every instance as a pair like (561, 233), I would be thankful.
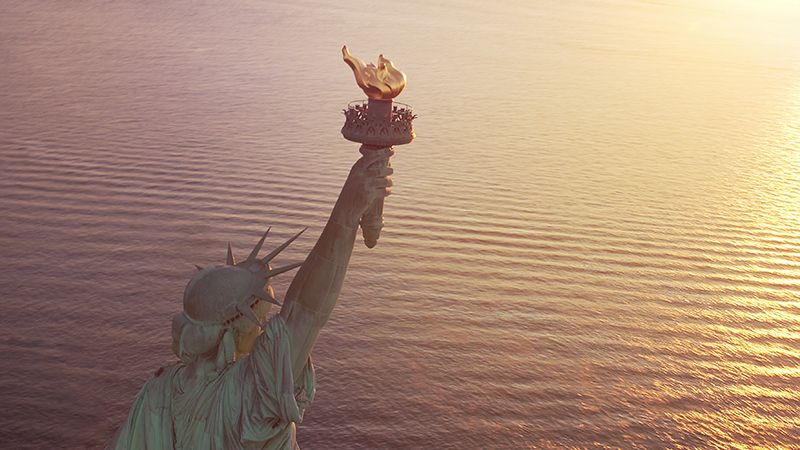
(383, 82)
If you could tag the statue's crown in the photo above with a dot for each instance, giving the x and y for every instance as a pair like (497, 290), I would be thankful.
(224, 293)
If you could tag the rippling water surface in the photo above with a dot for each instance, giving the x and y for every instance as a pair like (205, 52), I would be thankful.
(593, 242)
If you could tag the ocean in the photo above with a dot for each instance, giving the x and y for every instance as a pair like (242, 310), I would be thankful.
(592, 243)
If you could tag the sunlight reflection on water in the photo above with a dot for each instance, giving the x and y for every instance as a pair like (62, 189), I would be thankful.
(591, 244)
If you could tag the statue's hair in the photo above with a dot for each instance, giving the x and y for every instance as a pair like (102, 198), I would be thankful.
(192, 339)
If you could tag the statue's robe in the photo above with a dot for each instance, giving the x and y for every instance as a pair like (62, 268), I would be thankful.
(253, 404)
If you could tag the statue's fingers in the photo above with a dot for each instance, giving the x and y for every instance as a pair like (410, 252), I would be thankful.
(380, 193)
(372, 172)
(377, 183)
(379, 172)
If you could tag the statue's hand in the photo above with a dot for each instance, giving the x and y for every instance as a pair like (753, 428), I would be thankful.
(368, 180)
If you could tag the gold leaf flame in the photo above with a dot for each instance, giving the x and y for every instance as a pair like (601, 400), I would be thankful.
(381, 82)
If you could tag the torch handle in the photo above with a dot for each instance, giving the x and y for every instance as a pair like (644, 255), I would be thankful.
(372, 220)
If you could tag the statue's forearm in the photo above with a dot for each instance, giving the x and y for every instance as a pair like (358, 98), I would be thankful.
(316, 287)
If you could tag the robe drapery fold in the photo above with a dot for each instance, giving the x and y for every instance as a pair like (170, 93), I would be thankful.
(253, 404)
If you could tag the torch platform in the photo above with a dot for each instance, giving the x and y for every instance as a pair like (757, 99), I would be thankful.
(366, 125)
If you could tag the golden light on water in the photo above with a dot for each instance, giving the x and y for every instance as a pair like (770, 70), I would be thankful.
(770, 7)
(777, 154)
(595, 246)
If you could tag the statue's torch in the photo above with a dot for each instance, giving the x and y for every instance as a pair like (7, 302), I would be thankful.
(377, 123)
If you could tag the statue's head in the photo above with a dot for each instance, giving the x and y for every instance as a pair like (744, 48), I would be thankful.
(225, 306)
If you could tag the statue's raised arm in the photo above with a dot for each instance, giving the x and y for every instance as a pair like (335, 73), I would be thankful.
(244, 381)
(316, 287)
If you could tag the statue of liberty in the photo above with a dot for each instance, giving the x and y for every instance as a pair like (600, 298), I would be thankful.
(243, 381)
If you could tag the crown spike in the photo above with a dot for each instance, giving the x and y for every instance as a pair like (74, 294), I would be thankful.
(244, 308)
(280, 270)
(275, 252)
(231, 260)
(267, 297)
(257, 248)
(199, 269)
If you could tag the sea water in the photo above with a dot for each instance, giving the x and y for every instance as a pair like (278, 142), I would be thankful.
(592, 243)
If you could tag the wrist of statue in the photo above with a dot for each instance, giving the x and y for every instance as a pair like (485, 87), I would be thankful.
(346, 215)
(335, 244)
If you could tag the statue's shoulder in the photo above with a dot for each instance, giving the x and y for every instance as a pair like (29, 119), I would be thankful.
(164, 382)
(166, 374)
(274, 334)
(151, 410)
